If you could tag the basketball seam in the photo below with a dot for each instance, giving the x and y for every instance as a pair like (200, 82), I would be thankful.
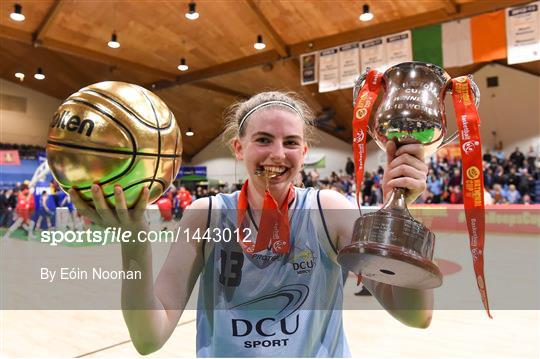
(158, 139)
(119, 104)
(104, 150)
(161, 182)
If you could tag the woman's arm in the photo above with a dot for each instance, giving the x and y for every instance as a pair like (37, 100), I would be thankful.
(407, 170)
(151, 310)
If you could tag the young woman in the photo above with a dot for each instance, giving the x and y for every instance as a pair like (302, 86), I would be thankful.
(280, 294)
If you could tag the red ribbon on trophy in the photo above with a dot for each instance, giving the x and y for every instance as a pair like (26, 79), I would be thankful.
(362, 110)
(473, 177)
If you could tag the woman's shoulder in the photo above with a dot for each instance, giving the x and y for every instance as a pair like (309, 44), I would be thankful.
(330, 199)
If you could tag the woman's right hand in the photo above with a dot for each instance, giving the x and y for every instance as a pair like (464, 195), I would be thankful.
(120, 216)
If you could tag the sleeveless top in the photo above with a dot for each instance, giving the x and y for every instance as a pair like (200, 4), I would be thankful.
(268, 305)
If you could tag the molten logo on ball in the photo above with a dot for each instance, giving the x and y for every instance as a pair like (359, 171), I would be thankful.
(114, 133)
(74, 124)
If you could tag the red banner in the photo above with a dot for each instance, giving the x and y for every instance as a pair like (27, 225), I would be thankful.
(9, 158)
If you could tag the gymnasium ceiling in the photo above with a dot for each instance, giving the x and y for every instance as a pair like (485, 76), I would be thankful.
(68, 39)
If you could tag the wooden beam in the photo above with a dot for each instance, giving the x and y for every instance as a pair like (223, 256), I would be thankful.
(280, 45)
(220, 89)
(10, 33)
(66, 48)
(402, 24)
(451, 7)
(45, 25)
(243, 63)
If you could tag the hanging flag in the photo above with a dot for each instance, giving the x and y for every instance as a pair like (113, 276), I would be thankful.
(456, 43)
(398, 48)
(488, 37)
(522, 33)
(427, 45)
(373, 55)
(329, 70)
(349, 64)
(308, 64)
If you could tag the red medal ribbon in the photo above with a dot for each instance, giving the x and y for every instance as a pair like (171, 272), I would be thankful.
(362, 110)
(274, 228)
(473, 178)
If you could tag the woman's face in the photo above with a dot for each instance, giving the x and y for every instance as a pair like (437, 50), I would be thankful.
(273, 141)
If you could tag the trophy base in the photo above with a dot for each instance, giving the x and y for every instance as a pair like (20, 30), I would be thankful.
(390, 264)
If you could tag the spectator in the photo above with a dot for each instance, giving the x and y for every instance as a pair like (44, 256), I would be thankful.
(513, 196)
(349, 167)
(517, 157)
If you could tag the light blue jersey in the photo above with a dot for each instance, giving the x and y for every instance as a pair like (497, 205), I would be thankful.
(268, 305)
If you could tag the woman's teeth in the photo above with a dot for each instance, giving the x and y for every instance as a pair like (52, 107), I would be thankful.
(270, 171)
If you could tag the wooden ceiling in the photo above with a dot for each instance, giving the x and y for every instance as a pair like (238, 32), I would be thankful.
(68, 39)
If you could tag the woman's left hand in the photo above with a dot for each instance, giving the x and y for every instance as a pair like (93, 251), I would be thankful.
(405, 168)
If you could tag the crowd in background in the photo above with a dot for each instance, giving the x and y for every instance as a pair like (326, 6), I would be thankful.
(512, 178)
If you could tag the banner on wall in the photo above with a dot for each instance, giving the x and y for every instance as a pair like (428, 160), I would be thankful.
(522, 33)
(329, 70)
(398, 48)
(349, 64)
(373, 55)
(9, 158)
(456, 43)
(308, 62)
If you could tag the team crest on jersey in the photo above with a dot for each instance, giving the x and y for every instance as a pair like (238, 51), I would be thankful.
(303, 261)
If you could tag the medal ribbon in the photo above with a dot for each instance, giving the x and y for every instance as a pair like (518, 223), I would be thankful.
(274, 228)
(362, 110)
(473, 178)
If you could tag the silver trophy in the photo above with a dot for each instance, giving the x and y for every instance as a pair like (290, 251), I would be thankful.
(389, 245)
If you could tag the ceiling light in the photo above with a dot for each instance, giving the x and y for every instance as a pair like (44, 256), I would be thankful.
(259, 45)
(20, 76)
(39, 75)
(189, 132)
(192, 14)
(17, 14)
(183, 65)
(114, 44)
(366, 14)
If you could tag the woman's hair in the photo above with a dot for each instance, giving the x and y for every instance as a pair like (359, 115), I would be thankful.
(235, 123)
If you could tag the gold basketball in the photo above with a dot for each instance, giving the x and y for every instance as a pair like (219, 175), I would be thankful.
(114, 133)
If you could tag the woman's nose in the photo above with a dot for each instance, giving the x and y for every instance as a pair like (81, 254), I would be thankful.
(278, 152)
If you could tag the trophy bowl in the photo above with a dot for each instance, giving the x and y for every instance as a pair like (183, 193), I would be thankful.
(389, 245)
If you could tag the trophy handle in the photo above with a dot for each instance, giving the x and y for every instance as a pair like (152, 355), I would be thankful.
(358, 83)
(476, 94)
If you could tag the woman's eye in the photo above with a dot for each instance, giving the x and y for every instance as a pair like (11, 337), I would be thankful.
(291, 143)
(262, 140)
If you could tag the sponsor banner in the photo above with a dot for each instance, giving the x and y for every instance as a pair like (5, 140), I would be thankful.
(349, 65)
(500, 218)
(523, 33)
(373, 55)
(398, 48)
(9, 158)
(329, 70)
(308, 63)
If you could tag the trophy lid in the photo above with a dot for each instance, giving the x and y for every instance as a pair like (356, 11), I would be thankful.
(423, 67)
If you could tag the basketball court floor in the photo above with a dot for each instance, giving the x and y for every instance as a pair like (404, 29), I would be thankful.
(457, 331)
